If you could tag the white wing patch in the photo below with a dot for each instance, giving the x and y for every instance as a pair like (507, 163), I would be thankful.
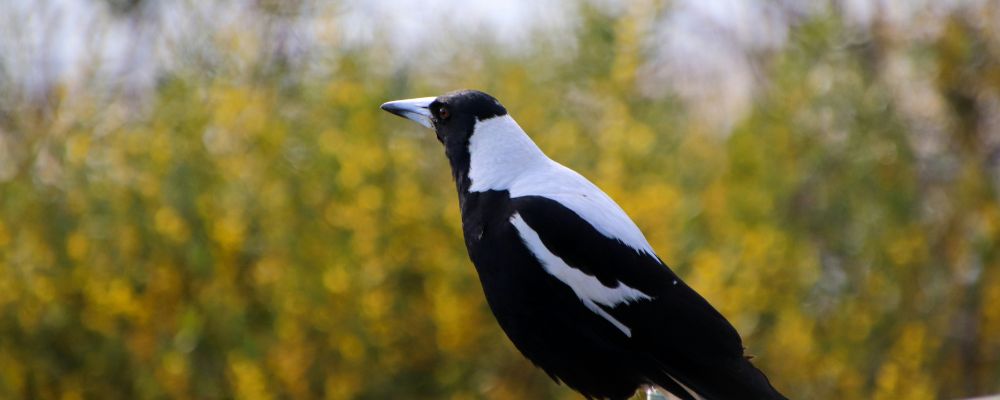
(588, 288)
(578, 194)
(503, 157)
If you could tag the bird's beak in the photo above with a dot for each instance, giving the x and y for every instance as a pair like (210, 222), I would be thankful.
(417, 110)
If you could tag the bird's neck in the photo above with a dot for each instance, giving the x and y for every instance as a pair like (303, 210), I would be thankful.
(500, 153)
(497, 154)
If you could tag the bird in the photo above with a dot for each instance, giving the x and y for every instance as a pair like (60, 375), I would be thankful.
(570, 278)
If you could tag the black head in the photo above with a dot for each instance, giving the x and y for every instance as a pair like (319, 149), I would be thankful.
(452, 115)
(455, 114)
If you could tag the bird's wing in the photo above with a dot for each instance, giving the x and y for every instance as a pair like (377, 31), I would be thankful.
(632, 289)
(571, 190)
(632, 285)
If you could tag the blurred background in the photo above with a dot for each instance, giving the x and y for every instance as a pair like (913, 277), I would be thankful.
(202, 199)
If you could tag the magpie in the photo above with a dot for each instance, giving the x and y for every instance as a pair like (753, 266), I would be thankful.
(570, 278)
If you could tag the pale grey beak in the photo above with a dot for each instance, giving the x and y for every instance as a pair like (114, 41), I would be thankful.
(417, 110)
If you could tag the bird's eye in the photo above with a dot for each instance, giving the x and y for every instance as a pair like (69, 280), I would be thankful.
(443, 113)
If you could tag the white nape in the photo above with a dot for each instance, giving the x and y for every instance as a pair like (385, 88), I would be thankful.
(587, 288)
(500, 153)
(503, 157)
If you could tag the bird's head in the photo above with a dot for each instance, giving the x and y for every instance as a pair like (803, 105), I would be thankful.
(453, 116)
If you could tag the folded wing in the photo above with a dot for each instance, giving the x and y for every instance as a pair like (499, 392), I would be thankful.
(687, 341)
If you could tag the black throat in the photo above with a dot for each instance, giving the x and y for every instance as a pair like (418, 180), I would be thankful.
(459, 158)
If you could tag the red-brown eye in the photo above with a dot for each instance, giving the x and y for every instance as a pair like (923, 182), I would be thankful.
(443, 113)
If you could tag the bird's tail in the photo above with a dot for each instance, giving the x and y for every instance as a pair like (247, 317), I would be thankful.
(738, 379)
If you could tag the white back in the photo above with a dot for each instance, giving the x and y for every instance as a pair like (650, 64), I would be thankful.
(503, 157)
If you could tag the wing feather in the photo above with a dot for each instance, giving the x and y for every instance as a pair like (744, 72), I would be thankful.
(686, 338)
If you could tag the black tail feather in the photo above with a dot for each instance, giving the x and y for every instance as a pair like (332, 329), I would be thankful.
(736, 379)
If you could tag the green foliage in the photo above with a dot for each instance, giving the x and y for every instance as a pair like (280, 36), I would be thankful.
(272, 238)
